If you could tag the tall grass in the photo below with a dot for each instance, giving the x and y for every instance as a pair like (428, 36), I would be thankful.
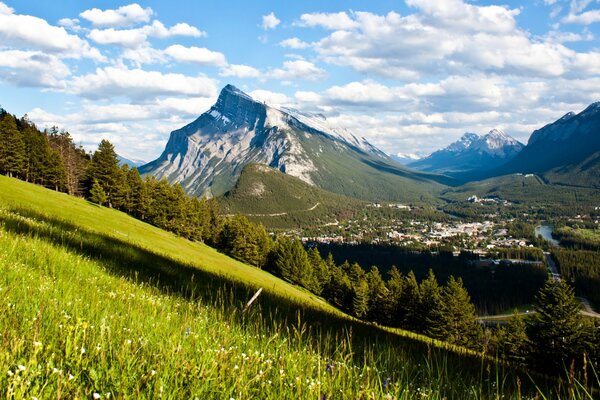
(84, 314)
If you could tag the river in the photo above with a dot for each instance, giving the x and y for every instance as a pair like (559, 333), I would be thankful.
(545, 231)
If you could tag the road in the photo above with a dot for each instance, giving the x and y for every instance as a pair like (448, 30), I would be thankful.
(282, 213)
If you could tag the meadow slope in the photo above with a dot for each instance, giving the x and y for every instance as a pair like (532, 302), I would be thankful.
(96, 304)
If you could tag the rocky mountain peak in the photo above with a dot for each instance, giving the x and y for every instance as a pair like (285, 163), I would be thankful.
(237, 108)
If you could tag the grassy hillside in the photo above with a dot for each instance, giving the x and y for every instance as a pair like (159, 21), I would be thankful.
(279, 200)
(96, 304)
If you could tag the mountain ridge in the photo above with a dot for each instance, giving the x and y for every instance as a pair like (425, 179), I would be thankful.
(471, 153)
(208, 155)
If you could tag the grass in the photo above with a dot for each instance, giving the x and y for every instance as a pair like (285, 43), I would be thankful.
(95, 304)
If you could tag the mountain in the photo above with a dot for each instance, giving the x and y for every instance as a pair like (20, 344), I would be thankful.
(471, 154)
(130, 161)
(279, 200)
(405, 158)
(208, 155)
(566, 151)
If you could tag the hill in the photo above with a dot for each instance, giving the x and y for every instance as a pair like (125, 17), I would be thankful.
(531, 193)
(97, 304)
(279, 200)
(566, 151)
(208, 155)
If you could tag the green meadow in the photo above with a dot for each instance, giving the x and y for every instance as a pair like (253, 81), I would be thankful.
(95, 304)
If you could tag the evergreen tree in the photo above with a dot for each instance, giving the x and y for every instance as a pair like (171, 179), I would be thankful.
(379, 297)
(408, 303)
(395, 286)
(75, 159)
(12, 148)
(430, 302)
(55, 175)
(97, 194)
(516, 346)
(104, 167)
(557, 327)
(319, 267)
(455, 321)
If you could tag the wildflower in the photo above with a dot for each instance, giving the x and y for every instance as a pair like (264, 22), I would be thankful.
(153, 372)
(83, 350)
(36, 344)
(96, 396)
(236, 367)
(10, 373)
(329, 368)
(187, 332)
(71, 377)
(21, 367)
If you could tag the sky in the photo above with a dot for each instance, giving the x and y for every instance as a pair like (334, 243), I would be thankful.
(410, 76)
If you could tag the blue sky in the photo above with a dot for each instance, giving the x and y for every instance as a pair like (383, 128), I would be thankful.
(410, 76)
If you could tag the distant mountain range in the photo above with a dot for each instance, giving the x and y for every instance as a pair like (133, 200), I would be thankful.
(130, 161)
(471, 154)
(566, 151)
(208, 155)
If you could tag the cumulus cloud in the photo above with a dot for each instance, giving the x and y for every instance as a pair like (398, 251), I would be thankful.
(122, 16)
(32, 69)
(4, 9)
(196, 55)
(297, 69)
(447, 37)
(139, 36)
(294, 43)
(333, 21)
(29, 32)
(269, 21)
(585, 18)
(240, 71)
(112, 82)
(271, 98)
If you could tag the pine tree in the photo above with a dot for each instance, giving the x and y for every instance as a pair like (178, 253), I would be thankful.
(408, 302)
(516, 346)
(379, 298)
(430, 302)
(12, 148)
(395, 285)
(97, 194)
(319, 266)
(55, 175)
(557, 327)
(456, 321)
(104, 167)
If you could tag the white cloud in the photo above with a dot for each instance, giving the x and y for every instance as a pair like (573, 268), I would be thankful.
(138, 36)
(32, 68)
(585, 18)
(297, 69)
(4, 9)
(240, 71)
(196, 55)
(139, 84)
(294, 43)
(440, 38)
(270, 21)
(28, 32)
(332, 21)
(144, 54)
(122, 16)
(271, 98)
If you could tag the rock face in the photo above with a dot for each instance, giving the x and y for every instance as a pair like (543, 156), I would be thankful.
(207, 156)
(471, 153)
(566, 151)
